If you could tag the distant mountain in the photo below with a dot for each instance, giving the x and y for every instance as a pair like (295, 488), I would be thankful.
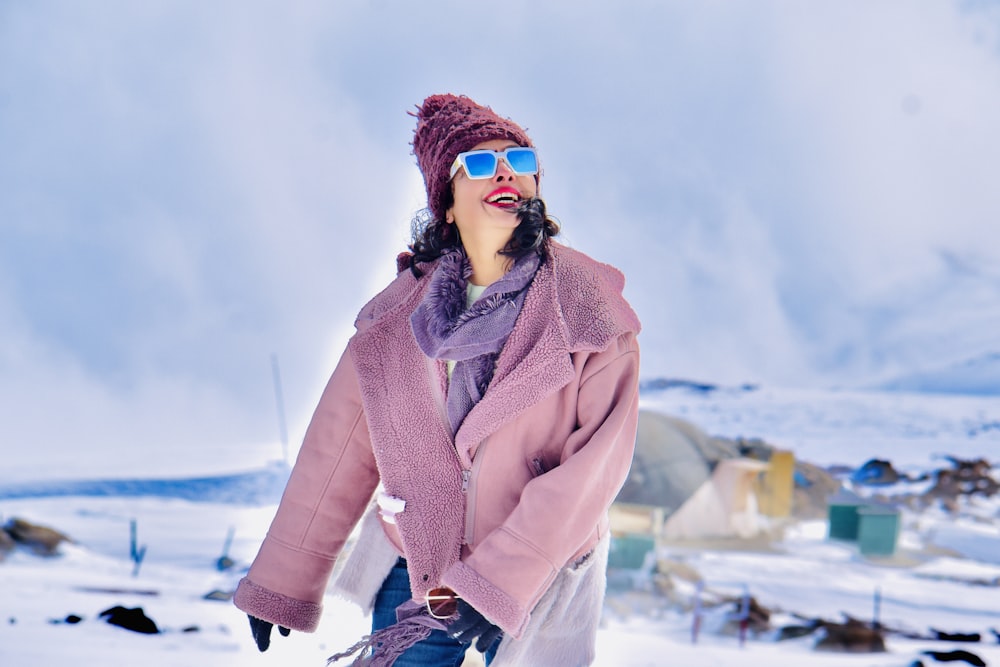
(257, 487)
(976, 376)
(660, 384)
(941, 335)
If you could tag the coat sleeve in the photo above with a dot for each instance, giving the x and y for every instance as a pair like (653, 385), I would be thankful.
(514, 565)
(330, 486)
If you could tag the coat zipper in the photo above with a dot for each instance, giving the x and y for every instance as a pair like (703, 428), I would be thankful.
(537, 465)
(469, 489)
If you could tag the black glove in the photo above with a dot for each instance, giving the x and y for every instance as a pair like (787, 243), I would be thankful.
(261, 631)
(471, 624)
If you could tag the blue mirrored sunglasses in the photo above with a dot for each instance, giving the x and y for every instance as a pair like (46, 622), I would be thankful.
(483, 163)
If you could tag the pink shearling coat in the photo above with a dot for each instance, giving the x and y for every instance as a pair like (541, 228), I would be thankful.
(520, 492)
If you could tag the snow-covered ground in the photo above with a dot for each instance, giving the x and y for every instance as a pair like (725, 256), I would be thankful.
(936, 580)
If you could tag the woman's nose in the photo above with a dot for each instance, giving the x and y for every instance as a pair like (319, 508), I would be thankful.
(504, 172)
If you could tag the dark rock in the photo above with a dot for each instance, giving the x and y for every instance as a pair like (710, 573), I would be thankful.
(853, 636)
(971, 637)
(134, 619)
(222, 596)
(41, 540)
(7, 544)
(796, 631)
(957, 656)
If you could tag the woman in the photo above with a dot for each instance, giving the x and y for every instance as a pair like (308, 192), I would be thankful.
(488, 401)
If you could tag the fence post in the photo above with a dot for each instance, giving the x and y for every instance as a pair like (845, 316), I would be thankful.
(136, 553)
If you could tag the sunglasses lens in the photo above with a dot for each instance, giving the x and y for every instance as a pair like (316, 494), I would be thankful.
(442, 602)
(481, 165)
(522, 160)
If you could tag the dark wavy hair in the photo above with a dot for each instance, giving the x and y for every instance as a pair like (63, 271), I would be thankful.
(433, 237)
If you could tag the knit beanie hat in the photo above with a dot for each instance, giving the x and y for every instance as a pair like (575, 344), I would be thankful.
(446, 126)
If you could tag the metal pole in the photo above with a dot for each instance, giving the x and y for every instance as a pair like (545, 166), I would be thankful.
(744, 616)
(696, 619)
(876, 621)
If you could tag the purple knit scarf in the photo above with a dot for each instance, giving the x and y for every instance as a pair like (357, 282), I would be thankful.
(445, 329)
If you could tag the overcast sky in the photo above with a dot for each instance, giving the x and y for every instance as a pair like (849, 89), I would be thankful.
(793, 190)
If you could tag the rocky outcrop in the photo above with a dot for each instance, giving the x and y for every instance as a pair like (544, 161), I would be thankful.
(40, 540)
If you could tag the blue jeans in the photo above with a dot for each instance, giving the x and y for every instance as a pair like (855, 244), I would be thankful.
(438, 650)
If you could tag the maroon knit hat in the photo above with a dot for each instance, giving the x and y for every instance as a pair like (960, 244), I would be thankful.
(446, 126)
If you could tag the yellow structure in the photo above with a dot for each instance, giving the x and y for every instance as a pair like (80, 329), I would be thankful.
(774, 488)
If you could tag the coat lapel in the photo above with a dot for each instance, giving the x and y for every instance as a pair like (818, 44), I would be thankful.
(534, 363)
(412, 445)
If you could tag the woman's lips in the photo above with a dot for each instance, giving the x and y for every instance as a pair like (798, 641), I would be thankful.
(505, 197)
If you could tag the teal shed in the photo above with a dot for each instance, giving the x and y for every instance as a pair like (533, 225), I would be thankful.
(628, 552)
(842, 512)
(878, 530)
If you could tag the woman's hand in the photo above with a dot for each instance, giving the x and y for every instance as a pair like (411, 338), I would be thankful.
(471, 624)
(261, 631)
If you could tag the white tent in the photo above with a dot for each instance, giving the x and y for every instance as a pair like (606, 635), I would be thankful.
(690, 485)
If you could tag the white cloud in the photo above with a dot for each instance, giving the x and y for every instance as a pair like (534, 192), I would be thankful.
(186, 188)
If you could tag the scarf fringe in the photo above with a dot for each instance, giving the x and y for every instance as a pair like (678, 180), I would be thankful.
(382, 648)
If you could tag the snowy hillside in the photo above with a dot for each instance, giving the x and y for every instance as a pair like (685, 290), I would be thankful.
(944, 575)
(975, 375)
